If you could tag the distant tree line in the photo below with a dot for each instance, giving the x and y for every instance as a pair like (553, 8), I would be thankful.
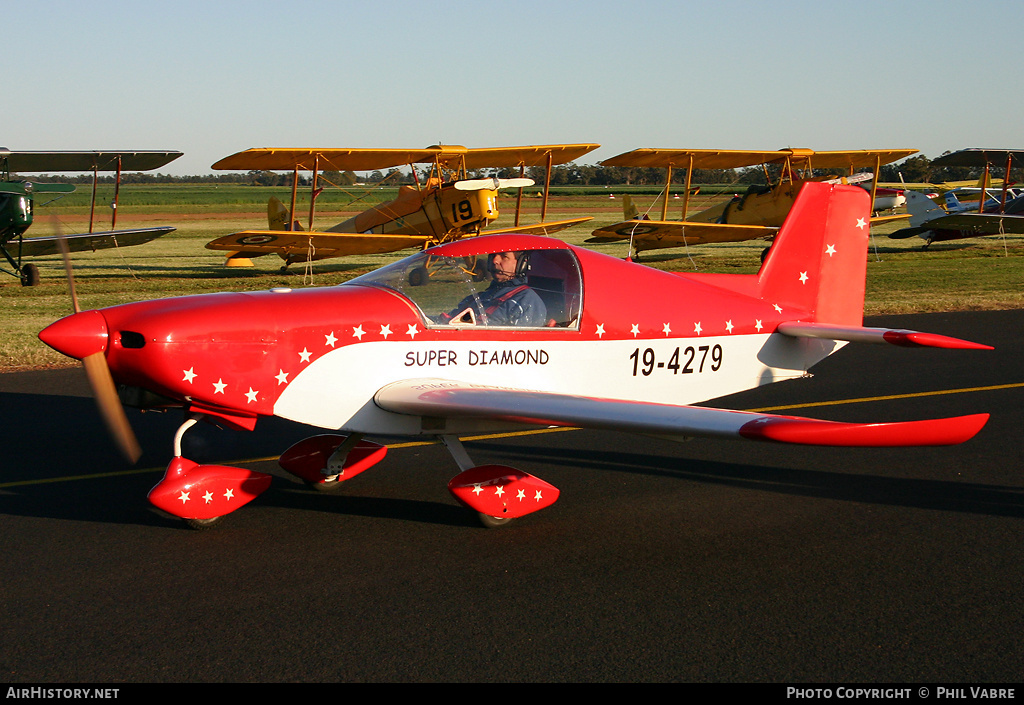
(916, 169)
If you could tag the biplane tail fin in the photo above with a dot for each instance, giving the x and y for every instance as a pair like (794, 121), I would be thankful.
(278, 217)
(629, 209)
(818, 261)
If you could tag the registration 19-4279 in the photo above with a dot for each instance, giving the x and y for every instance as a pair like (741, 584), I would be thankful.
(682, 361)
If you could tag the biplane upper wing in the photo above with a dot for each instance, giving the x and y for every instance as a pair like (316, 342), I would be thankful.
(86, 242)
(668, 233)
(282, 159)
(330, 159)
(441, 398)
(254, 243)
(533, 155)
(24, 162)
(735, 159)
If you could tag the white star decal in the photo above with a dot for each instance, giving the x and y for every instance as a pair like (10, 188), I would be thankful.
(757, 325)
(477, 489)
(499, 490)
(251, 394)
(189, 375)
(803, 277)
(777, 308)
(330, 339)
(696, 328)
(861, 223)
(413, 330)
(728, 326)
(229, 494)
(282, 377)
(521, 495)
(537, 496)
(358, 332)
(600, 330)
(666, 329)
(218, 386)
(208, 497)
(304, 355)
(830, 250)
(184, 496)
(635, 330)
(385, 331)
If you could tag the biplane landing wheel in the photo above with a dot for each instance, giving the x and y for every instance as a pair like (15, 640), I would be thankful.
(203, 524)
(493, 522)
(418, 276)
(29, 275)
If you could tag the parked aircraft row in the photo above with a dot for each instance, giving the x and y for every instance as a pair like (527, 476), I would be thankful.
(449, 204)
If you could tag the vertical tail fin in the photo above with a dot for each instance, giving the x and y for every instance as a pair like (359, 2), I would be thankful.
(818, 261)
(278, 217)
(629, 211)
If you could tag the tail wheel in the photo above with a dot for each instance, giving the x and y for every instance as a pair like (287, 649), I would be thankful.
(29, 275)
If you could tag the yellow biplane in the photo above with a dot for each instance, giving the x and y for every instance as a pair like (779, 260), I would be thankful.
(447, 207)
(756, 214)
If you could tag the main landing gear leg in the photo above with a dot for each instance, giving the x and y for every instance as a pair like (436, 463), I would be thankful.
(336, 463)
(465, 463)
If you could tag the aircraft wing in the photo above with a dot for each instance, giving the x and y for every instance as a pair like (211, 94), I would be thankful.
(85, 161)
(441, 398)
(320, 244)
(546, 228)
(679, 232)
(85, 242)
(880, 219)
(979, 223)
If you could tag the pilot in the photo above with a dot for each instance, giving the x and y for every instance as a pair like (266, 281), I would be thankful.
(508, 301)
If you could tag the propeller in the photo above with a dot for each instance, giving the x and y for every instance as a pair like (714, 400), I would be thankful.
(493, 183)
(100, 379)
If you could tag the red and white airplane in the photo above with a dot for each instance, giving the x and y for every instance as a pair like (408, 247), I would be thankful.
(600, 343)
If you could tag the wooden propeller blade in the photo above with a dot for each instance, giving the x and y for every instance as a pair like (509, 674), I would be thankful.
(110, 405)
(63, 243)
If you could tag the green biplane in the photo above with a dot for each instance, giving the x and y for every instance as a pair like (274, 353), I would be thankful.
(17, 197)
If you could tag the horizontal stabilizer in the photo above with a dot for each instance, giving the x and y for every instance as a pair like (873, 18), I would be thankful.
(857, 334)
(439, 398)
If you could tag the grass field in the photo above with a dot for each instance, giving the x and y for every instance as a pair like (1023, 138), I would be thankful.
(975, 274)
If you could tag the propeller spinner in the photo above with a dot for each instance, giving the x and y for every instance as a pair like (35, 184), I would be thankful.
(84, 336)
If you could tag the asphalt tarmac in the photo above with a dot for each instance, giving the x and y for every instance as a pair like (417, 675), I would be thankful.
(708, 561)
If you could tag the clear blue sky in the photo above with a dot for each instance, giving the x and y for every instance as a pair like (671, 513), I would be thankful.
(211, 78)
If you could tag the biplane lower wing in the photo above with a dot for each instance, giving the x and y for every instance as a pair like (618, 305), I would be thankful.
(439, 398)
(649, 234)
(85, 242)
(313, 244)
(546, 228)
(979, 223)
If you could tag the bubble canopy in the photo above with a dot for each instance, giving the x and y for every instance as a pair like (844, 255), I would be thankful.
(443, 282)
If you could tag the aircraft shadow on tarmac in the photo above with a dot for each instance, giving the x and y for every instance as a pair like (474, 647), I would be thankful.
(878, 489)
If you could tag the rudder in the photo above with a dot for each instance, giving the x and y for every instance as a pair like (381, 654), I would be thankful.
(818, 262)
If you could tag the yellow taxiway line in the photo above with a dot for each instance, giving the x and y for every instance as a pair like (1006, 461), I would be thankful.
(414, 444)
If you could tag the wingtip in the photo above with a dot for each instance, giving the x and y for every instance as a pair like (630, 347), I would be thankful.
(801, 431)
